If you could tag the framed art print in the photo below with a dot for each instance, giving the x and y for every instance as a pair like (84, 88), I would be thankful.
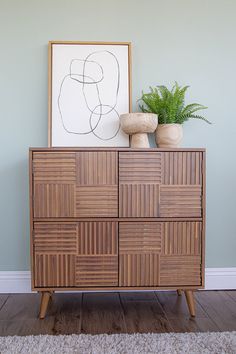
(89, 87)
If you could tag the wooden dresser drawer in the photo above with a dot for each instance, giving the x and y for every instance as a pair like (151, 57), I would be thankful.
(78, 254)
(160, 253)
(162, 184)
(75, 254)
(75, 184)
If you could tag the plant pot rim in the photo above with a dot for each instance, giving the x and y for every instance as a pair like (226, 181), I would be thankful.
(169, 124)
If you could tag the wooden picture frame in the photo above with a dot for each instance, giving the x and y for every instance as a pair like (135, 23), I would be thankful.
(89, 86)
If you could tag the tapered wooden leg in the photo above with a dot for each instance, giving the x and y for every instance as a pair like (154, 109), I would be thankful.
(45, 296)
(179, 292)
(190, 302)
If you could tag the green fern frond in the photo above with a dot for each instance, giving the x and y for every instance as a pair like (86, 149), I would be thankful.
(169, 105)
(200, 117)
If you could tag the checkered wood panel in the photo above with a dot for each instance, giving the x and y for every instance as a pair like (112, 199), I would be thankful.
(182, 168)
(182, 238)
(180, 270)
(58, 238)
(140, 237)
(54, 270)
(98, 238)
(160, 184)
(97, 201)
(96, 168)
(180, 201)
(97, 271)
(140, 167)
(139, 200)
(139, 269)
(160, 253)
(54, 200)
(54, 167)
(85, 185)
(76, 254)
(69, 184)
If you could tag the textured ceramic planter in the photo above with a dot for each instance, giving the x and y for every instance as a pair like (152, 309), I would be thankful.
(169, 135)
(138, 125)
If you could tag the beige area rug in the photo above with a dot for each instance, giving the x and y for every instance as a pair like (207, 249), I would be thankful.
(171, 343)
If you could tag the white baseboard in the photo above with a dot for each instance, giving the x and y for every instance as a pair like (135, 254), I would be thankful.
(15, 282)
(220, 278)
(215, 279)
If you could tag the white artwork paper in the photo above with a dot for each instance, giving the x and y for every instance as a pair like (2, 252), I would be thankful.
(89, 91)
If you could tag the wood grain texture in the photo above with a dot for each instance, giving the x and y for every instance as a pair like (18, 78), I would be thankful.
(96, 168)
(139, 249)
(139, 200)
(180, 270)
(180, 201)
(55, 238)
(219, 307)
(97, 260)
(183, 238)
(190, 301)
(98, 238)
(143, 314)
(127, 312)
(176, 310)
(102, 313)
(70, 184)
(45, 297)
(181, 168)
(139, 269)
(81, 198)
(55, 270)
(97, 201)
(99, 270)
(54, 200)
(136, 167)
(140, 237)
(53, 167)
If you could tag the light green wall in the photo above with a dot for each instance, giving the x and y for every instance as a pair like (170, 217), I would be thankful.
(190, 41)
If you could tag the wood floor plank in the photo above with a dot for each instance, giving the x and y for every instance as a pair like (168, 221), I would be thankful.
(3, 299)
(143, 314)
(102, 313)
(231, 293)
(127, 312)
(19, 316)
(176, 310)
(27, 327)
(220, 308)
(20, 307)
(66, 310)
(176, 306)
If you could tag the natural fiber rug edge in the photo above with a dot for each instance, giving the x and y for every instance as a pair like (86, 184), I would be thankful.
(148, 343)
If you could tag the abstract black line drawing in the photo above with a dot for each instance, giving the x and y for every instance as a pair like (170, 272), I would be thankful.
(89, 94)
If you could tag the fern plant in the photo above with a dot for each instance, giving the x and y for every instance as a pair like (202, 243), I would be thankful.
(170, 105)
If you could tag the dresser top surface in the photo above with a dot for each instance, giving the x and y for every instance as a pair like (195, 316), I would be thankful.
(47, 149)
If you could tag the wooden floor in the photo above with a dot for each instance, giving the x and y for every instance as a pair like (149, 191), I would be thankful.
(127, 312)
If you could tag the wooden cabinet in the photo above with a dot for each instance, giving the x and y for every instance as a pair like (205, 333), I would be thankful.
(117, 219)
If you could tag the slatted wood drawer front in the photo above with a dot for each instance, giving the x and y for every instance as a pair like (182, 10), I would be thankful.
(139, 179)
(76, 254)
(160, 184)
(75, 184)
(97, 261)
(160, 253)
